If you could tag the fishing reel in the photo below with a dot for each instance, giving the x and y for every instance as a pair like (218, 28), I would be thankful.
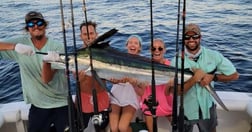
(101, 118)
(149, 103)
(97, 119)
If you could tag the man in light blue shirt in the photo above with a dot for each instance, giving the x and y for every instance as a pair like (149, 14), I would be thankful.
(48, 99)
(199, 107)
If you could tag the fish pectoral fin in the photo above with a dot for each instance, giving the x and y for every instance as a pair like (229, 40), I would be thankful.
(98, 79)
(101, 83)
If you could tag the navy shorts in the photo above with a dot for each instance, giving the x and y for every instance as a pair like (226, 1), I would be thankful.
(206, 125)
(42, 120)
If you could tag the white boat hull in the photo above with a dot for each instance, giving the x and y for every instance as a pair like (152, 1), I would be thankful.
(13, 116)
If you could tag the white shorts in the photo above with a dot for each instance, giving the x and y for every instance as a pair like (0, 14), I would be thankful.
(123, 94)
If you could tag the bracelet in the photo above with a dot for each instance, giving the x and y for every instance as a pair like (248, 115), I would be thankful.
(215, 78)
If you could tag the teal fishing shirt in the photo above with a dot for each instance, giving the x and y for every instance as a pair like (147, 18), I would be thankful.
(51, 95)
(198, 97)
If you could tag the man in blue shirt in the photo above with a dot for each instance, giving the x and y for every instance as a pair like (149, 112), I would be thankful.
(199, 107)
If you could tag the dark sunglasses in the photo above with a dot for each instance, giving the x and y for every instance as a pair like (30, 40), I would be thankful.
(39, 23)
(159, 49)
(188, 37)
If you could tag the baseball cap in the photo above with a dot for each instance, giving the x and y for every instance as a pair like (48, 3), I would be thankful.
(193, 28)
(33, 15)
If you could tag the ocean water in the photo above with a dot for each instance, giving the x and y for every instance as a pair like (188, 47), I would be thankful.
(226, 27)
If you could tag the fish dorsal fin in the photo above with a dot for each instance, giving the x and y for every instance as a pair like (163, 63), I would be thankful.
(100, 42)
(104, 36)
(100, 45)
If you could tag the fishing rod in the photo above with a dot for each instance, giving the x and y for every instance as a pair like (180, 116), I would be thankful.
(79, 116)
(153, 104)
(70, 101)
(181, 108)
(96, 119)
(175, 92)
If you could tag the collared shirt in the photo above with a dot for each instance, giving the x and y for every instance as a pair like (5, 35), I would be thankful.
(51, 95)
(198, 97)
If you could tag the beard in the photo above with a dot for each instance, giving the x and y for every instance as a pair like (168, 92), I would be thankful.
(39, 37)
(192, 49)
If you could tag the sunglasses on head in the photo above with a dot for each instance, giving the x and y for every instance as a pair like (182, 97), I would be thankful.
(188, 37)
(159, 49)
(39, 23)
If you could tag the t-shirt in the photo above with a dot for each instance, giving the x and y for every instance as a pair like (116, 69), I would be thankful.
(51, 95)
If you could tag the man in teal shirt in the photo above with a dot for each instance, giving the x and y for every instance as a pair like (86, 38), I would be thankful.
(48, 99)
(199, 107)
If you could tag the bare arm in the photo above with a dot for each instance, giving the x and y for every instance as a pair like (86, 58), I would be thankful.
(19, 48)
(47, 72)
(138, 86)
(7, 46)
(196, 78)
(188, 85)
(208, 78)
(225, 78)
(201, 78)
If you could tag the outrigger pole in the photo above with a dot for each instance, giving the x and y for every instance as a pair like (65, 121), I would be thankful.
(70, 101)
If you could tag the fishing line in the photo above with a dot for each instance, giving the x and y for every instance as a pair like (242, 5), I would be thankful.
(70, 101)
(79, 116)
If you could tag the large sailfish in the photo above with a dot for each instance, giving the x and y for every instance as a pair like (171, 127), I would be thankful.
(109, 62)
